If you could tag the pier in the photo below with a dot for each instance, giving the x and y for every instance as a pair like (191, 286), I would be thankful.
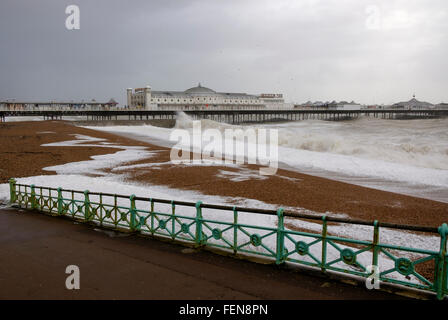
(228, 116)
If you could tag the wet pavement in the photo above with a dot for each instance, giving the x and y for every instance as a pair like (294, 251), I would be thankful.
(35, 250)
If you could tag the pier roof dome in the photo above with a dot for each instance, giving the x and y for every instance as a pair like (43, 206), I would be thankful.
(200, 90)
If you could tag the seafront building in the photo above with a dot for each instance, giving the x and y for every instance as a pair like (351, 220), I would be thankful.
(19, 105)
(413, 104)
(319, 105)
(442, 106)
(201, 98)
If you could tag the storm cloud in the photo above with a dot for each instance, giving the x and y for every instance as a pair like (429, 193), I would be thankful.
(367, 51)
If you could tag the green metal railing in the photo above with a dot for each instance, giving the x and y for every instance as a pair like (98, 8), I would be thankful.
(412, 267)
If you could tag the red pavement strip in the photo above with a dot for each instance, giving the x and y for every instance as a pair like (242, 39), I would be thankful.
(35, 250)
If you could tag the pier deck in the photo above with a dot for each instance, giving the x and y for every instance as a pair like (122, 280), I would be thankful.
(229, 116)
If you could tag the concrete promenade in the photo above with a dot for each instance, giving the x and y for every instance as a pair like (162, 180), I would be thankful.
(35, 250)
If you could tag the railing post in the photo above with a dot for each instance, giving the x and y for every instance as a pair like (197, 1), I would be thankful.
(324, 243)
(376, 237)
(235, 230)
(12, 190)
(152, 216)
(72, 202)
(27, 200)
(115, 210)
(173, 220)
(280, 237)
(86, 205)
(101, 207)
(60, 201)
(33, 197)
(199, 239)
(441, 272)
(41, 199)
(133, 212)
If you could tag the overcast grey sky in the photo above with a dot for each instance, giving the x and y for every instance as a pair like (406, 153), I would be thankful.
(369, 51)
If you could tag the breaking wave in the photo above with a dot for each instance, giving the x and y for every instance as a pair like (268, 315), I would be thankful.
(410, 151)
(422, 143)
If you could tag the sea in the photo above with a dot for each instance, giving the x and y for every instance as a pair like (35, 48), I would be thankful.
(404, 156)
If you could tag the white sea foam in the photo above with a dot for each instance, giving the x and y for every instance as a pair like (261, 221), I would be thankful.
(99, 162)
(413, 154)
(113, 183)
